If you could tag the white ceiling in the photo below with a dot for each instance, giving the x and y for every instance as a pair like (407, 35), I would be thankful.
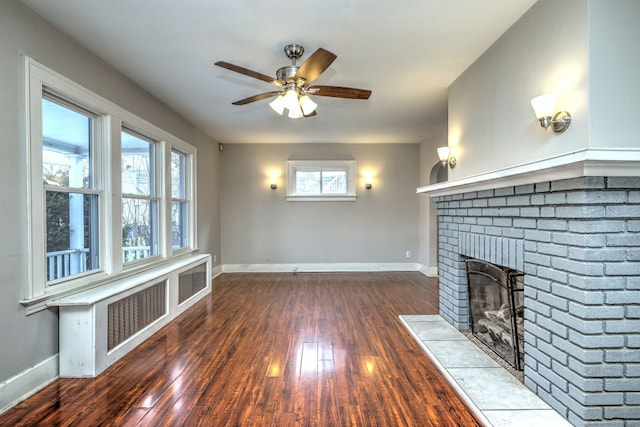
(406, 52)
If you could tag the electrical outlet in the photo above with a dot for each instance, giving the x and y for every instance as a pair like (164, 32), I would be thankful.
(408, 254)
(215, 258)
(295, 268)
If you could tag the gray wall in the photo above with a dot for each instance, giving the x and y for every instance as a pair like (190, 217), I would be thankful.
(491, 122)
(261, 227)
(614, 60)
(584, 51)
(28, 340)
(429, 167)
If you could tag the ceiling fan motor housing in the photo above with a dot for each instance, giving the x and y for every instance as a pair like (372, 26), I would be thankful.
(294, 51)
(286, 74)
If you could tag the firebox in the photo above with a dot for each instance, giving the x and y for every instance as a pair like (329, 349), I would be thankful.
(496, 309)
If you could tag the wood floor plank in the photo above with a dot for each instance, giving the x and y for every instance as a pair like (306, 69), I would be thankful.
(328, 409)
(324, 349)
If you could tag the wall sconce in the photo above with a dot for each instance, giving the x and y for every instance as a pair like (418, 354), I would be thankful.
(274, 183)
(543, 106)
(445, 158)
(368, 180)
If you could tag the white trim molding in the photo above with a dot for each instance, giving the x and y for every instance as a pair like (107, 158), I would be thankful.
(216, 271)
(429, 271)
(319, 267)
(588, 162)
(28, 382)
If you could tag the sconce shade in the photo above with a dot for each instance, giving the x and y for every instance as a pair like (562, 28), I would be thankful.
(307, 105)
(278, 104)
(543, 105)
(443, 153)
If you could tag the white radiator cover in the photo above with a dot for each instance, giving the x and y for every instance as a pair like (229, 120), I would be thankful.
(86, 347)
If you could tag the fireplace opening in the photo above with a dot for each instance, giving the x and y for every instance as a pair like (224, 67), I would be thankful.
(496, 309)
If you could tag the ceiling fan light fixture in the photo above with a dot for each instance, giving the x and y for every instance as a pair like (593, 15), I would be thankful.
(294, 83)
(307, 105)
(278, 104)
(291, 99)
(295, 113)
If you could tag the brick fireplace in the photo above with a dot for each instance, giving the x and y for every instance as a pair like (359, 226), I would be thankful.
(578, 242)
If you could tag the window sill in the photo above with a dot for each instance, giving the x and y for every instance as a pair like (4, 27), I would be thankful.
(321, 198)
(42, 302)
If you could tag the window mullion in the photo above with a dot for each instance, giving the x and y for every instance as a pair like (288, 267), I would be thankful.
(112, 166)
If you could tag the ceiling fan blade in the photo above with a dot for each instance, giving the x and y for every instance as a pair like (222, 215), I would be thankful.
(315, 65)
(255, 98)
(245, 71)
(340, 92)
(311, 114)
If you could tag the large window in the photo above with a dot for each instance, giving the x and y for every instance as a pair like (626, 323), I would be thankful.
(139, 197)
(109, 193)
(71, 198)
(179, 200)
(321, 180)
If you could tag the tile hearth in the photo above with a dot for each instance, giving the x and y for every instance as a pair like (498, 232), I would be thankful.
(494, 395)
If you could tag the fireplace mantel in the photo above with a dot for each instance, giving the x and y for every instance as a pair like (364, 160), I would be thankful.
(590, 162)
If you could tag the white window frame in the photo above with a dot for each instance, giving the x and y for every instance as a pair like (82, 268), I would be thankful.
(97, 140)
(110, 120)
(190, 172)
(348, 166)
(156, 197)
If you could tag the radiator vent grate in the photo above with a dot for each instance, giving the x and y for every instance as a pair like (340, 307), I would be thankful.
(133, 313)
(191, 281)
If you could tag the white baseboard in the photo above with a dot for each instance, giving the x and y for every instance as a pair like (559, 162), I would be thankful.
(319, 267)
(429, 271)
(216, 271)
(28, 382)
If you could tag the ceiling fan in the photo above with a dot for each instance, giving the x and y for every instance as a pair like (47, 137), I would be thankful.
(294, 83)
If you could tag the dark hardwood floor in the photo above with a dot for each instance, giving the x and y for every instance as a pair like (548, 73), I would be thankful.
(322, 349)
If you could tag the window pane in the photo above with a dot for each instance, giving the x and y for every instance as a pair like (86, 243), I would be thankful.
(178, 184)
(137, 165)
(72, 234)
(307, 182)
(66, 146)
(179, 222)
(139, 229)
(334, 182)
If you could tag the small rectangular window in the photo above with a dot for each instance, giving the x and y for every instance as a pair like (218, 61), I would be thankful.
(321, 180)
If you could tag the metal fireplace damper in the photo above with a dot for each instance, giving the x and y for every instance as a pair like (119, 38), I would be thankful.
(496, 309)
